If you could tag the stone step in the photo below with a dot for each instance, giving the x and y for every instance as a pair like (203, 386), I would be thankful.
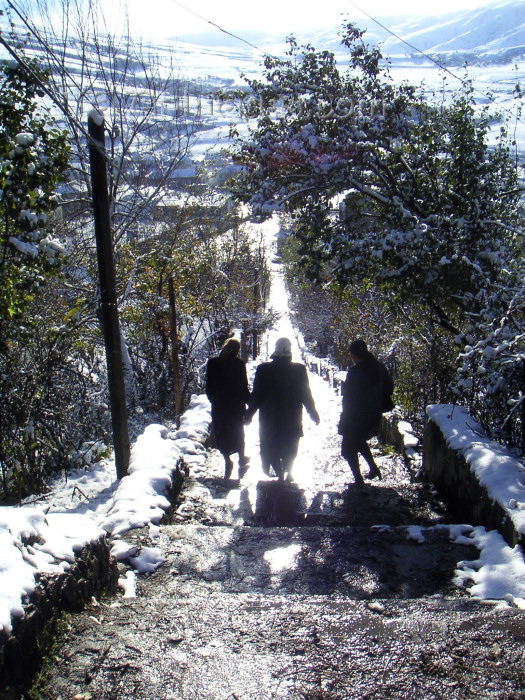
(215, 501)
(361, 563)
(215, 645)
(273, 591)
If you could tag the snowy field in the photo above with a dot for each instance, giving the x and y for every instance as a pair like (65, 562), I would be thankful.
(493, 85)
(90, 503)
(209, 68)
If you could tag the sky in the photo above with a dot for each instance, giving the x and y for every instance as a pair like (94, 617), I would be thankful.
(162, 20)
(174, 19)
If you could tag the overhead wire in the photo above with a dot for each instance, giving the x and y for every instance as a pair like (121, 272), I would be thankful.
(262, 51)
(74, 121)
(407, 43)
(221, 29)
(364, 12)
(379, 23)
(59, 104)
(23, 63)
(64, 109)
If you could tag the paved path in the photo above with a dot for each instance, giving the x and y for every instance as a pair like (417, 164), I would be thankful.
(330, 596)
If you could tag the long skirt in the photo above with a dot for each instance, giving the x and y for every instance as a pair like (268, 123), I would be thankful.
(227, 431)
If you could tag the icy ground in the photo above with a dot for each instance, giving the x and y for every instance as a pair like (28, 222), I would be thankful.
(89, 503)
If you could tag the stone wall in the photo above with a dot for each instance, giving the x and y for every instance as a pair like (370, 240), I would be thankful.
(448, 470)
(389, 433)
(95, 572)
(457, 484)
(21, 652)
(399, 434)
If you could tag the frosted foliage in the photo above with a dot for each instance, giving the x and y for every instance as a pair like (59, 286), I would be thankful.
(386, 188)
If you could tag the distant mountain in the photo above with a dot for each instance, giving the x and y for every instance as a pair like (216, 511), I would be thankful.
(494, 33)
(491, 34)
(208, 61)
(216, 38)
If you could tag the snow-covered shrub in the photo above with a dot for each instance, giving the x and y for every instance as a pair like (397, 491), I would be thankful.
(33, 158)
(492, 374)
(89, 453)
(54, 391)
(422, 363)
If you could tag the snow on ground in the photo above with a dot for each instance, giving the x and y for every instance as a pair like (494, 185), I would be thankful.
(90, 503)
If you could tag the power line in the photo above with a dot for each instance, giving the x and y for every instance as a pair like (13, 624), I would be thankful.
(60, 104)
(407, 43)
(65, 111)
(221, 29)
(74, 122)
(387, 29)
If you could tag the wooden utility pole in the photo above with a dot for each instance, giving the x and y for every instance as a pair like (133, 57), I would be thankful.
(108, 295)
(174, 350)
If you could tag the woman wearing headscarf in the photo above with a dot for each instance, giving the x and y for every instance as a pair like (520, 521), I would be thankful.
(228, 392)
(280, 390)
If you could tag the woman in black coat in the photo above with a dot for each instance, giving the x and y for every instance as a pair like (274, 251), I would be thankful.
(280, 390)
(366, 395)
(228, 393)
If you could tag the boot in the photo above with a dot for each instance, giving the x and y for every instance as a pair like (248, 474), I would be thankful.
(277, 467)
(354, 466)
(244, 463)
(369, 458)
(374, 473)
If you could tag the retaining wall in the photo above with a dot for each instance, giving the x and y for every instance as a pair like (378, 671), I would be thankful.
(93, 572)
(467, 496)
(465, 488)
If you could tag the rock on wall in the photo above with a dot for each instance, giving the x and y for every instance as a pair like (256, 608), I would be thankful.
(400, 435)
(389, 433)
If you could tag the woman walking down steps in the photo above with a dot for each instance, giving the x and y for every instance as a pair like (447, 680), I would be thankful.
(280, 390)
(228, 393)
(277, 423)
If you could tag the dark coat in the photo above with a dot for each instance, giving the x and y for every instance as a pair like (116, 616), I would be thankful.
(280, 390)
(366, 391)
(228, 392)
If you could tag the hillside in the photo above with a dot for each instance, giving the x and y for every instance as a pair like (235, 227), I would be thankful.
(491, 34)
(490, 41)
